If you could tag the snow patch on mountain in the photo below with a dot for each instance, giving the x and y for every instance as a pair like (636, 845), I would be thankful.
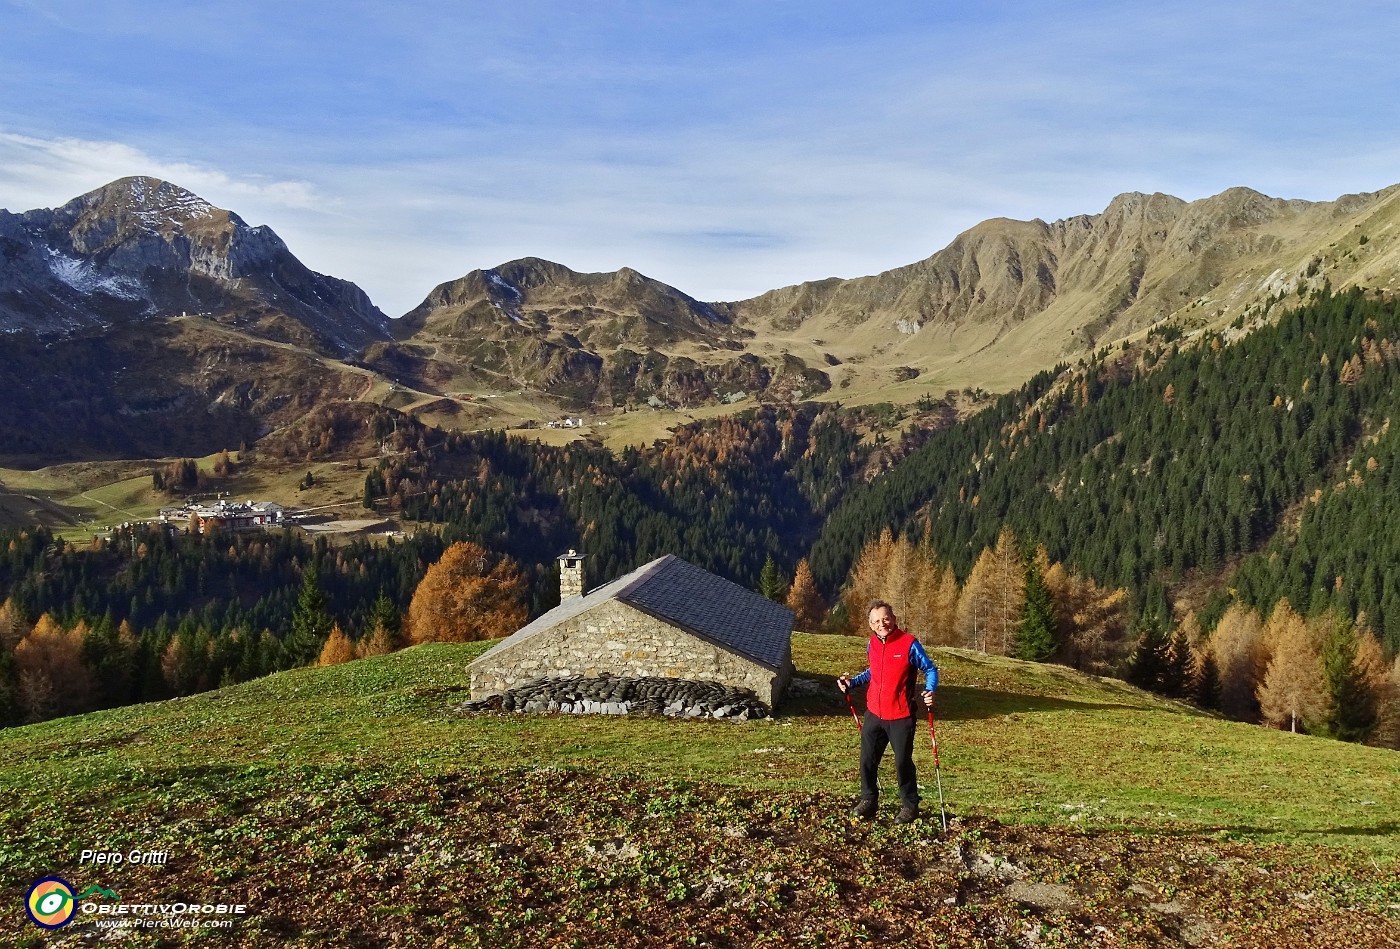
(83, 277)
(501, 282)
(166, 204)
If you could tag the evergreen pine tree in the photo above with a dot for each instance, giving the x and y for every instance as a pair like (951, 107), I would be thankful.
(771, 582)
(383, 613)
(1148, 663)
(1352, 704)
(1035, 634)
(1176, 664)
(311, 621)
(1206, 679)
(270, 652)
(8, 710)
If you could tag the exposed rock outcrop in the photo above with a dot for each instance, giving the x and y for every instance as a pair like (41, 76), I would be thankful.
(142, 248)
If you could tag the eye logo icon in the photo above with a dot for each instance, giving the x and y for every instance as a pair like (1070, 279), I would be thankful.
(50, 902)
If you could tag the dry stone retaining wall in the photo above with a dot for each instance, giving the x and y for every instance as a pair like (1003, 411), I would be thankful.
(613, 695)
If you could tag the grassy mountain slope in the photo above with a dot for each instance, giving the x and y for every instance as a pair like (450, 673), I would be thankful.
(176, 387)
(353, 806)
(1169, 463)
(599, 339)
(1007, 299)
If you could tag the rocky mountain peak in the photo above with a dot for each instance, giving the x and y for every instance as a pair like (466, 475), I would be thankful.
(151, 199)
(140, 247)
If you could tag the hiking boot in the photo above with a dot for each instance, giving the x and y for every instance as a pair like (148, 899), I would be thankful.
(907, 815)
(865, 810)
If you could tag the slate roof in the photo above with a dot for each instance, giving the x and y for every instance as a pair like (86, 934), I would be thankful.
(695, 600)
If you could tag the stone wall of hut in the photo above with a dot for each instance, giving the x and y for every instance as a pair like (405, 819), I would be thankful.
(619, 640)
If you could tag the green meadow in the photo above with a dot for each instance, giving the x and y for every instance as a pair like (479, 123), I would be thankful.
(354, 805)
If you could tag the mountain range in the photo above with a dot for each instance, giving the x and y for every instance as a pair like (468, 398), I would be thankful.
(138, 319)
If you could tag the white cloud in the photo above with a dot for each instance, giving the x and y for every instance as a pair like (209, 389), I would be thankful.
(36, 172)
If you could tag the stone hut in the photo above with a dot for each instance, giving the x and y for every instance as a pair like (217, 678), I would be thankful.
(667, 618)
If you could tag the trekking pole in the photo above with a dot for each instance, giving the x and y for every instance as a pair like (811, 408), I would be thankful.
(847, 694)
(937, 772)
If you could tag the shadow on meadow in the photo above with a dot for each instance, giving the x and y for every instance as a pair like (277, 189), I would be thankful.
(819, 696)
(1245, 831)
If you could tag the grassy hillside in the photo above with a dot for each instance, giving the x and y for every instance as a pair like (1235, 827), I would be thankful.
(354, 806)
(81, 499)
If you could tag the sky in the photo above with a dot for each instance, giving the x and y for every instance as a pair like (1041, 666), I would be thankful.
(725, 148)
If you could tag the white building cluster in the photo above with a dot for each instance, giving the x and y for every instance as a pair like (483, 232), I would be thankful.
(227, 515)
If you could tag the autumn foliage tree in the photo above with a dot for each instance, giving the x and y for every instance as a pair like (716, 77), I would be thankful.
(1240, 660)
(808, 608)
(906, 575)
(1092, 621)
(51, 677)
(1007, 593)
(467, 595)
(1374, 674)
(1387, 733)
(12, 626)
(975, 604)
(184, 663)
(1292, 692)
(943, 607)
(868, 580)
(338, 648)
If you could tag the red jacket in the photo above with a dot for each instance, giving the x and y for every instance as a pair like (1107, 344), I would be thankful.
(892, 662)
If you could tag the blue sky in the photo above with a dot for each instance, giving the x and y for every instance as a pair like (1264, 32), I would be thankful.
(724, 148)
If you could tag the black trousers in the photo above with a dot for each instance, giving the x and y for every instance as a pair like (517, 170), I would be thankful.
(897, 733)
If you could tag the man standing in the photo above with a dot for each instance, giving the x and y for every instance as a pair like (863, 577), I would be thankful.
(889, 720)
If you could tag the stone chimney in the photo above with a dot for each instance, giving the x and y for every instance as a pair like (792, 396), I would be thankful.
(570, 575)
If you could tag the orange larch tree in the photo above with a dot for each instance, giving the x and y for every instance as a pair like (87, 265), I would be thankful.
(467, 595)
(337, 649)
(808, 608)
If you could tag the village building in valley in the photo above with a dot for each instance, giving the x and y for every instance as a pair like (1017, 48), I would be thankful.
(227, 515)
(668, 618)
